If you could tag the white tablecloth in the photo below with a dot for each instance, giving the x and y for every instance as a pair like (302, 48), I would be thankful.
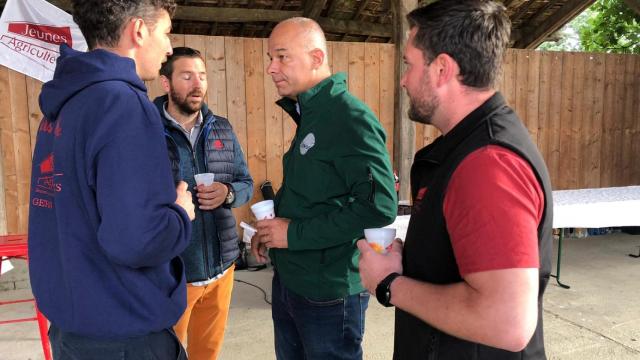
(595, 208)
(584, 208)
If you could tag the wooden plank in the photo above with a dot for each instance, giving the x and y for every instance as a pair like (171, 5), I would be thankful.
(228, 14)
(575, 152)
(544, 95)
(312, 9)
(236, 97)
(509, 81)
(340, 57)
(356, 70)
(6, 144)
(273, 123)
(628, 122)
(22, 146)
(586, 117)
(256, 129)
(196, 42)
(329, 55)
(555, 119)
(34, 87)
(8, 147)
(636, 118)
(565, 164)
(387, 92)
(608, 123)
(338, 26)
(619, 88)
(596, 70)
(216, 75)
(372, 77)
(521, 86)
(533, 94)
(177, 40)
(404, 130)
(3, 209)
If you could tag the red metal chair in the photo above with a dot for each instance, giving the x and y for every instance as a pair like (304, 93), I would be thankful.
(15, 247)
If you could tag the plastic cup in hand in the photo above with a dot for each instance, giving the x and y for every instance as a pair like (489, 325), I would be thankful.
(248, 233)
(205, 179)
(263, 210)
(380, 238)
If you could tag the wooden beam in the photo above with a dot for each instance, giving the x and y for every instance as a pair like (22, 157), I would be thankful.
(333, 7)
(355, 27)
(209, 14)
(633, 5)
(521, 11)
(313, 8)
(362, 7)
(404, 130)
(533, 35)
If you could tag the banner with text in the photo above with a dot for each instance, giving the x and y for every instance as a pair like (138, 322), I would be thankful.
(31, 32)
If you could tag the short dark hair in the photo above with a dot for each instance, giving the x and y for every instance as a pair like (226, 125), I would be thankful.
(178, 52)
(475, 33)
(102, 21)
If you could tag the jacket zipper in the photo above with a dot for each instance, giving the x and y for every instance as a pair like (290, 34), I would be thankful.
(372, 194)
(194, 167)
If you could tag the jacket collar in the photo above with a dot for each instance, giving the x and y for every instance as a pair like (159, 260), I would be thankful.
(307, 100)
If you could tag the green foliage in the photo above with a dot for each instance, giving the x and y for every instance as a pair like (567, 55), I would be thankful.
(611, 27)
(607, 26)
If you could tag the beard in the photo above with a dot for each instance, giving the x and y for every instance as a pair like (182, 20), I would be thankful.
(422, 109)
(186, 106)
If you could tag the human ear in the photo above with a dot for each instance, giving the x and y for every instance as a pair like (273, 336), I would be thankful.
(446, 68)
(165, 83)
(140, 31)
(317, 58)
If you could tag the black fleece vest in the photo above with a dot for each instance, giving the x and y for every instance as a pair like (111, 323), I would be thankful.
(428, 254)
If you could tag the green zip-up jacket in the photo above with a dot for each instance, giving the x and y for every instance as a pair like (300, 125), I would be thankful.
(338, 181)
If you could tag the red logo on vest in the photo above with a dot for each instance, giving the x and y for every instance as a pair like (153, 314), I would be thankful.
(218, 145)
(417, 203)
(50, 34)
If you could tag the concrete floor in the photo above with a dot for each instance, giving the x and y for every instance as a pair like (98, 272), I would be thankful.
(598, 318)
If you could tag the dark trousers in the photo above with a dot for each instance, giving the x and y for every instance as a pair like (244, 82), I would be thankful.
(163, 345)
(308, 329)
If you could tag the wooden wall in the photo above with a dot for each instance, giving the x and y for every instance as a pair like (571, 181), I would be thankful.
(239, 89)
(583, 111)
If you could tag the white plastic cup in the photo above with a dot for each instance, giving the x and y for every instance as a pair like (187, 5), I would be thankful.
(263, 210)
(380, 238)
(247, 233)
(205, 179)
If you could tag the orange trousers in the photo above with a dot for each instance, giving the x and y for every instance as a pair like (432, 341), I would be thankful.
(201, 327)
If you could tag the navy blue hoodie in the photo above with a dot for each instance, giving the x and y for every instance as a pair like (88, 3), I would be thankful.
(104, 229)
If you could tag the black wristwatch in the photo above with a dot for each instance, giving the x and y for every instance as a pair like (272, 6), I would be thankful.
(383, 290)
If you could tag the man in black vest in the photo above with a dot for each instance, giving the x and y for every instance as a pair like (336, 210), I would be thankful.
(468, 282)
(201, 142)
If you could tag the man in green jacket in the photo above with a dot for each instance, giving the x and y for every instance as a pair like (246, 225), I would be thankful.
(337, 181)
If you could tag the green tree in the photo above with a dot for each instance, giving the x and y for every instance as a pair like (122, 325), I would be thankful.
(611, 27)
(607, 26)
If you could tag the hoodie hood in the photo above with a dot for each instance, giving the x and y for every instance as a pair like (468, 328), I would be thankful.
(76, 70)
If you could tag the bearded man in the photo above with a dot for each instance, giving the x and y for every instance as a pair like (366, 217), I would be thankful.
(201, 142)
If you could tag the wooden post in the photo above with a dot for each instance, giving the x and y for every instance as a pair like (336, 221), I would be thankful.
(404, 129)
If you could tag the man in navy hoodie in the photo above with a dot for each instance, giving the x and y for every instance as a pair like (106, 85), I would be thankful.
(105, 225)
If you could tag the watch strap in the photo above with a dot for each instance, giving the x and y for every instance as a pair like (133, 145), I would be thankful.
(383, 290)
